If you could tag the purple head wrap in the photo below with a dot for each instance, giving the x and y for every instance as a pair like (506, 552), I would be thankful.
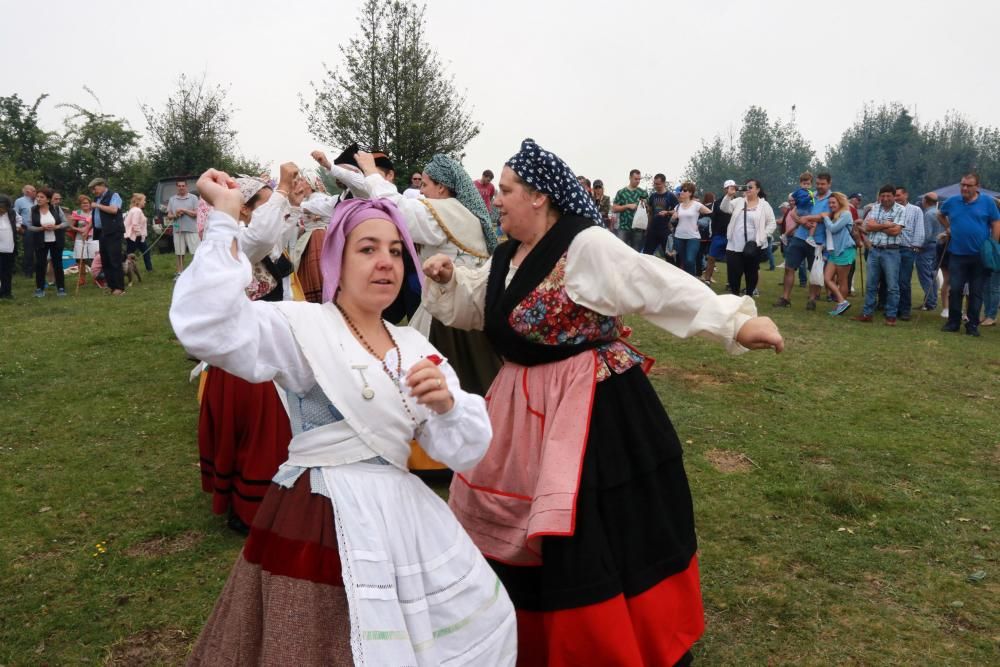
(346, 217)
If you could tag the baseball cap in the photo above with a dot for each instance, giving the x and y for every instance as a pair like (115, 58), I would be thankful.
(857, 195)
(598, 183)
(729, 183)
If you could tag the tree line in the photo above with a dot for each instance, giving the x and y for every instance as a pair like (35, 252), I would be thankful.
(886, 144)
(189, 133)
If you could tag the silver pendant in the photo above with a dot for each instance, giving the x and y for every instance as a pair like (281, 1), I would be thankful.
(367, 392)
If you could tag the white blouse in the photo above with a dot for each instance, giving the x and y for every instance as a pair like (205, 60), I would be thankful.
(217, 323)
(606, 276)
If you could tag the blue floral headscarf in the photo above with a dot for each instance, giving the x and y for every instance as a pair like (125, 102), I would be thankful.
(547, 173)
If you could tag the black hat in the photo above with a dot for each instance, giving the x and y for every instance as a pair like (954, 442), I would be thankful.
(349, 156)
(857, 195)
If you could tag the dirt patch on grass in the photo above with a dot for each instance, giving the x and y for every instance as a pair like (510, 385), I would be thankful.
(820, 462)
(703, 376)
(163, 646)
(727, 461)
(166, 545)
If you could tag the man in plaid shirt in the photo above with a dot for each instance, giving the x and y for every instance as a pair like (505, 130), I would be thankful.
(884, 224)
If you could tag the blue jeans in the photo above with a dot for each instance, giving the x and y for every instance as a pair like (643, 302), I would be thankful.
(992, 298)
(927, 274)
(964, 269)
(883, 266)
(687, 254)
(633, 238)
(907, 258)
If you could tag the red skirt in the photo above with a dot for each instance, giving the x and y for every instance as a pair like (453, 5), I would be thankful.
(243, 436)
(656, 627)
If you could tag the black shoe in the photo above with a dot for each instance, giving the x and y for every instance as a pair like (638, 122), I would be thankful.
(926, 308)
(904, 318)
(950, 328)
(236, 524)
(811, 304)
(782, 303)
(972, 331)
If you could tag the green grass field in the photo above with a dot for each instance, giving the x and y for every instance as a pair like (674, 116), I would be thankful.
(846, 491)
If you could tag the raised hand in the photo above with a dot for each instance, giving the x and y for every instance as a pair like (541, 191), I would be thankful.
(321, 158)
(760, 333)
(221, 192)
(439, 268)
(287, 175)
(367, 163)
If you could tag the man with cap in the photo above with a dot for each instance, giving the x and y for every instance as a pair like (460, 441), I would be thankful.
(109, 232)
(927, 259)
(602, 201)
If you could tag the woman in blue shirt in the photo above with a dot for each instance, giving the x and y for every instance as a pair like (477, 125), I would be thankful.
(842, 250)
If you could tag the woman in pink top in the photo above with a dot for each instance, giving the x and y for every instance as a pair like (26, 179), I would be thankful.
(135, 229)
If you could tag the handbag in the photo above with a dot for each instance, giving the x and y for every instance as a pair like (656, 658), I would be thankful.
(751, 251)
(641, 219)
(989, 252)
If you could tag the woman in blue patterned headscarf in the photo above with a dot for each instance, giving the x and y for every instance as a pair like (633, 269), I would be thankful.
(581, 504)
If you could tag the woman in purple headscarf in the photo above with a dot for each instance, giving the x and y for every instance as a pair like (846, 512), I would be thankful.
(581, 504)
(350, 559)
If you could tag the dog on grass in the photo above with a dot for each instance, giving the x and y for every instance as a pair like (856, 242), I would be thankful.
(130, 269)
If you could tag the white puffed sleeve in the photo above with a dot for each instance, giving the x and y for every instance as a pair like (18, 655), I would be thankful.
(461, 302)
(607, 276)
(268, 228)
(216, 322)
(460, 437)
(424, 229)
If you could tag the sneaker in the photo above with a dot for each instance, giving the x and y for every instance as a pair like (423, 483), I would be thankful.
(60, 292)
(972, 331)
(784, 240)
(904, 318)
(841, 308)
(890, 321)
(176, 276)
(39, 293)
(756, 293)
(949, 328)
(944, 313)
(829, 298)
(926, 308)
(782, 302)
(812, 242)
(811, 304)
(862, 318)
(988, 322)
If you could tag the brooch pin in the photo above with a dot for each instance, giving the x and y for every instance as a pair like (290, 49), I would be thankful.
(367, 392)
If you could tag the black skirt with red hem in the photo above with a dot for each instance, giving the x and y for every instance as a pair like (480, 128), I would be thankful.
(629, 571)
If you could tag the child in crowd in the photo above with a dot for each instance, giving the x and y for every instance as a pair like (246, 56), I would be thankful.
(803, 200)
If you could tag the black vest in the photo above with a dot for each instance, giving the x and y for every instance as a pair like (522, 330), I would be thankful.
(501, 300)
(36, 221)
(110, 224)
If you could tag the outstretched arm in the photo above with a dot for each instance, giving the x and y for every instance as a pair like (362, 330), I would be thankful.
(211, 314)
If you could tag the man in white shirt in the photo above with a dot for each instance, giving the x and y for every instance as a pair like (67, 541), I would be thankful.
(413, 192)
(182, 209)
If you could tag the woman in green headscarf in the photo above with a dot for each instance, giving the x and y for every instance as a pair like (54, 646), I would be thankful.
(450, 218)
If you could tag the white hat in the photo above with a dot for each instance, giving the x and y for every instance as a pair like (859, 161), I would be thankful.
(729, 183)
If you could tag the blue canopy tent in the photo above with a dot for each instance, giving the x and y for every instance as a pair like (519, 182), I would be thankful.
(952, 190)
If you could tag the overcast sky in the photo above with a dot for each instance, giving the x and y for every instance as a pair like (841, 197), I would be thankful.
(607, 84)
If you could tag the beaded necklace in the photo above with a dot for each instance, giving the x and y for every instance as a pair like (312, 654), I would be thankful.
(367, 393)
